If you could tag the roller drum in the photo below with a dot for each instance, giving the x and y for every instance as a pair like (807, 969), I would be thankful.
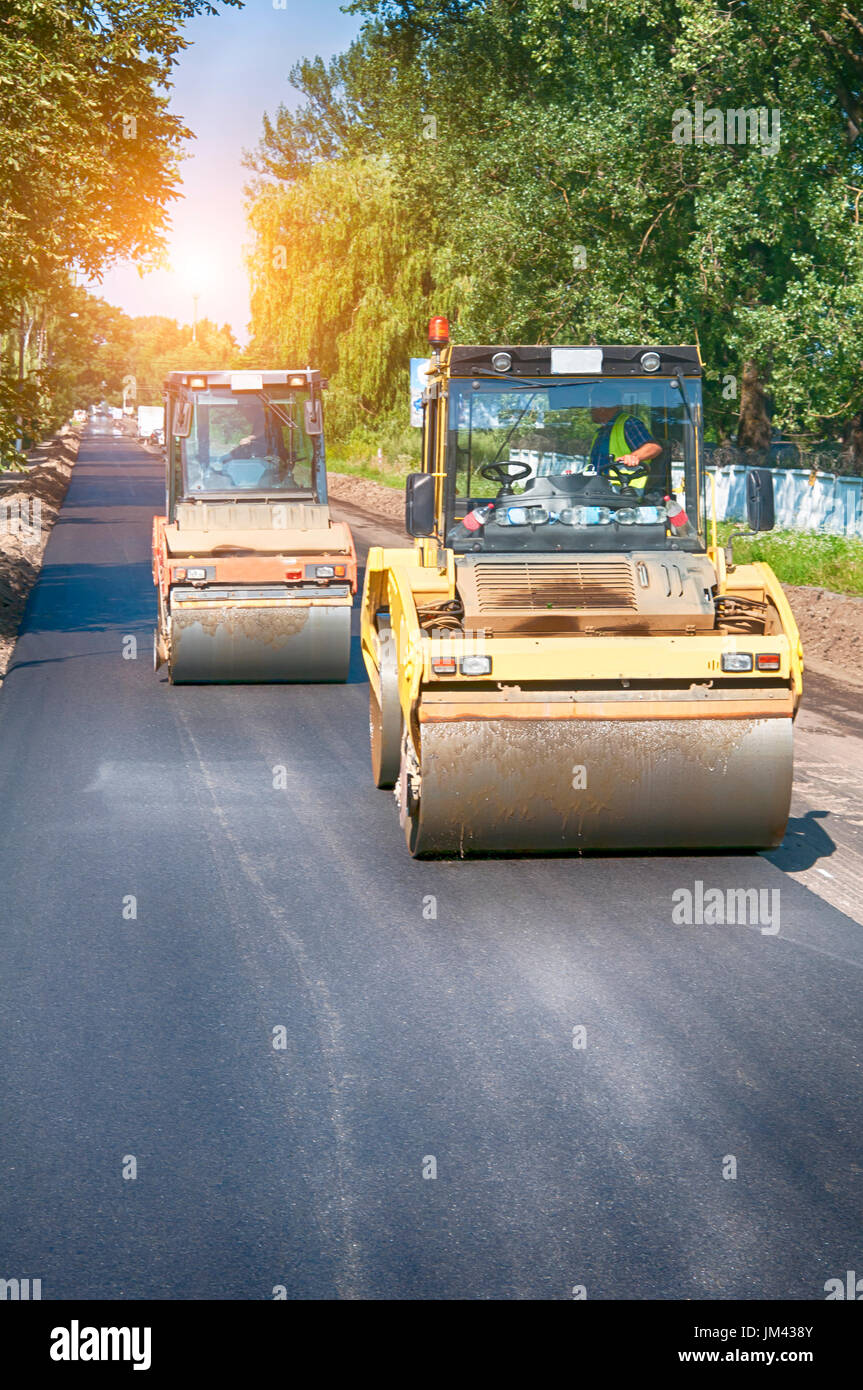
(232, 643)
(544, 786)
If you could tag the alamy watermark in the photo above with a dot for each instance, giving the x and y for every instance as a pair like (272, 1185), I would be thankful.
(716, 907)
(22, 517)
(752, 125)
(850, 1288)
(20, 1290)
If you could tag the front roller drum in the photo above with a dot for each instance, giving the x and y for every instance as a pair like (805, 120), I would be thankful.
(545, 786)
(236, 644)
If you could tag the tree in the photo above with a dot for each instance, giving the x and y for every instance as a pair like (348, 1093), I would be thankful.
(538, 162)
(89, 150)
(341, 282)
(158, 345)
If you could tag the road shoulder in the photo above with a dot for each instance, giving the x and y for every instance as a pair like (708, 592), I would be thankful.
(29, 505)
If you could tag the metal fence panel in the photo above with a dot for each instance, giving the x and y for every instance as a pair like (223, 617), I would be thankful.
(828, 502)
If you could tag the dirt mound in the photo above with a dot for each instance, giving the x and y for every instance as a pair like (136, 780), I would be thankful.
(386, 502)
(831, 628)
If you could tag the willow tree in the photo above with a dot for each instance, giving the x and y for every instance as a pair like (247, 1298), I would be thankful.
(343, 279)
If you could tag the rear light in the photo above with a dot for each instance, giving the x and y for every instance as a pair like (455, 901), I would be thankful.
(438, 331)
(737, 661)
(196, 574)
(768, 661)
(293, 574)
(475, 665)
(444, 666)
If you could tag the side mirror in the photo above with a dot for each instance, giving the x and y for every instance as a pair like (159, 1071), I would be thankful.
(420, 504)
(760, 510)
(182, 419)
(313, 417)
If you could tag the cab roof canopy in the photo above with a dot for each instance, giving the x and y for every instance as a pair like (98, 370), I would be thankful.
(234, 380)
(596, 360)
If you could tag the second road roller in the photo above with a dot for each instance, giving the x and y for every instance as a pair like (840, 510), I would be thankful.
(255, 580)
(566, 660)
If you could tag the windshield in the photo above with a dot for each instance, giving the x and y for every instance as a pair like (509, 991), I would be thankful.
(249, 444)
(570, 465)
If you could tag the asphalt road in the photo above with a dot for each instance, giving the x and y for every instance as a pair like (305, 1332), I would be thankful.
(428, 1008)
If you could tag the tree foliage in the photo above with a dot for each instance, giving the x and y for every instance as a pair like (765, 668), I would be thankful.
(158, 345)
(89, 159)
(528, 154)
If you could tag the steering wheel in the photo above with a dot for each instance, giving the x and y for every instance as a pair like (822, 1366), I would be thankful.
(499, 473)
(625, 477)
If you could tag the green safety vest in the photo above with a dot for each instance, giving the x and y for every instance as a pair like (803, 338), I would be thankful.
(618, 446)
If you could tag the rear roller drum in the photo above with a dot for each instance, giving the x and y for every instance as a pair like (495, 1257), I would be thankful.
(385, 718)
(408, 791)
(161, 649)
(233, 643)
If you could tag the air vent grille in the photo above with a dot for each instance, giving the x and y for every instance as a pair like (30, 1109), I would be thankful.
(525, 586)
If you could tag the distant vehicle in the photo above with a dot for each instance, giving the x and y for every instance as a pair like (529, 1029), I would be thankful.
(80, 417)
(150, 419)
(116, 412)
(156, 438)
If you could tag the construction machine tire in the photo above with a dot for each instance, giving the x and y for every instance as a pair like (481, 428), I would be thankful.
(237, 645)
(385, 716)
(548, 786)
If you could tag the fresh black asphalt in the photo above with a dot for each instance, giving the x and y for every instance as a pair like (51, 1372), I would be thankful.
(427, 1009)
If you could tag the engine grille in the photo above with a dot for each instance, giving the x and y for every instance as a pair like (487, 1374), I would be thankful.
(536, 588)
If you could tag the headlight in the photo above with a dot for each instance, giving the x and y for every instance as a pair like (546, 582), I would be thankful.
(737, 661)
(475, 665)
(324, 571)
(196, 574)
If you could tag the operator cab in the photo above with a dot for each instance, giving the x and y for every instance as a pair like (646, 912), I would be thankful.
(251, 436)
(541, 458)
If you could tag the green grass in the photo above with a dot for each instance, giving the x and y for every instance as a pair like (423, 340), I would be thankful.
(358, 454)
(804, 557)
(390, 474)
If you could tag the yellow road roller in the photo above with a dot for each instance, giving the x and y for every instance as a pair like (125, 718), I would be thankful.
(255, 581)
(565, 660)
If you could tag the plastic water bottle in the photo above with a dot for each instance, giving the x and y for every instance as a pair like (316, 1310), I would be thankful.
(677, 518)
(478, 517)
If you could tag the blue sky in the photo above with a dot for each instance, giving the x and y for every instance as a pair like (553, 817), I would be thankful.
(236, 69)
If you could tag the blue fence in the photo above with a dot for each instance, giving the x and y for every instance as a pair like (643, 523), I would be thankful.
(805, 501)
